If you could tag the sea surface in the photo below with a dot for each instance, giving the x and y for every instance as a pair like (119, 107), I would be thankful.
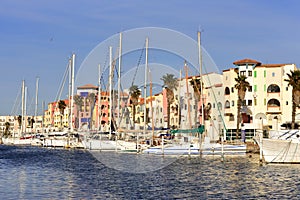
(41, 173)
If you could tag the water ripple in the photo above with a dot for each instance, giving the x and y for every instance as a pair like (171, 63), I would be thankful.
(40, 173)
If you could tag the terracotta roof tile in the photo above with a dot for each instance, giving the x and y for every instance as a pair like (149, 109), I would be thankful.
(246, 61)
(87, 86)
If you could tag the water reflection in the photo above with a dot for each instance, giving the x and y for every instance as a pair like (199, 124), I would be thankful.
(37, 173)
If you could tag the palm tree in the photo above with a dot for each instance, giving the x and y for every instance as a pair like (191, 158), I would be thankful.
(294, 81)
(135, 93)
(91, 99)
(6, 131)
(61, 106)
(196, 84)
(170, 84)
(241, 85)
(78, 100)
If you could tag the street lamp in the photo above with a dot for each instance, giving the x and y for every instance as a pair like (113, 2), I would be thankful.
(253, 114)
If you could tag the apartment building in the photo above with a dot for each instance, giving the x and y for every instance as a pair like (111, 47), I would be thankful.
(267, 104)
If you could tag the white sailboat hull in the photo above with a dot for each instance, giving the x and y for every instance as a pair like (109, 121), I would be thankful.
(281, 151)
(205, 150)
(94, 144)
(24, 142)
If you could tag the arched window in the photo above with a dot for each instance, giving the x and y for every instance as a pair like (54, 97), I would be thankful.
(227, 104)
(273, 103)
(273, 88)
(219, 105)
(227, 91)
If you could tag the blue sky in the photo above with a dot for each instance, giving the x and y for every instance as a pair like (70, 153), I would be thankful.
(37, 37)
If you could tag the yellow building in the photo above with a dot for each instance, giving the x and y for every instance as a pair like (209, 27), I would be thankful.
(267, 104)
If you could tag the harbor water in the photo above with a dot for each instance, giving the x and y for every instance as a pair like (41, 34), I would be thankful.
(41, 173)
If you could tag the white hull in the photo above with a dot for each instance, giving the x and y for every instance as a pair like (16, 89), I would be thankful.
(119, 145)
(94, 144)
(281, 151)
(24, 142)
(205, 150)
(63, 142)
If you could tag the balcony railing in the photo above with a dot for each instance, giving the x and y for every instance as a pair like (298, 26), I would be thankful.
(272, 109)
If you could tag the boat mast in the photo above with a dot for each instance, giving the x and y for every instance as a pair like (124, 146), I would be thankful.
(179, 99)
(119, 79)
(145, 86)
(72, 92)
(110, 90)
(99, 97)
(201, 76)
(23, 107)
(151, 106)
(43, 118)
(36, 101)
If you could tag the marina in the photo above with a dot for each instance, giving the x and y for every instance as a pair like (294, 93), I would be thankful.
(43, 173)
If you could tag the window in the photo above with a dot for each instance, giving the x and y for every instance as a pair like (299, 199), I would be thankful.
(265, 88)
(219, 105)
(287, 88)
(249, 73)
(243, 73)
(273, 88)
(231, 118)
(232, 103)
(255, 88)
(227, 104)
(273, 74)
(287, 103)
(227, 91)
(265, 101)
(255, 101)
(255, 74)
(249, 102)
(232, 89)
(273, 103)
(265, 73)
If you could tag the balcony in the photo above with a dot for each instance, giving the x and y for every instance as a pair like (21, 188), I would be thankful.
(273, 95)
(273, 106)
(273, 109)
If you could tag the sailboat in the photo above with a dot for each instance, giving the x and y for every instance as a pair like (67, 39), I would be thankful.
(282, 146)
(22, 137)
(103, 140)
(189, 141)
(66, 138)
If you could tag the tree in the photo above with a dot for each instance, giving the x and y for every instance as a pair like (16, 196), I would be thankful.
(241, 85)
(61, 106)
(78, 100)
(196, 84)
(170, 84)
(294, 81)
(134, 93)
(91, 99)
(6, 131)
